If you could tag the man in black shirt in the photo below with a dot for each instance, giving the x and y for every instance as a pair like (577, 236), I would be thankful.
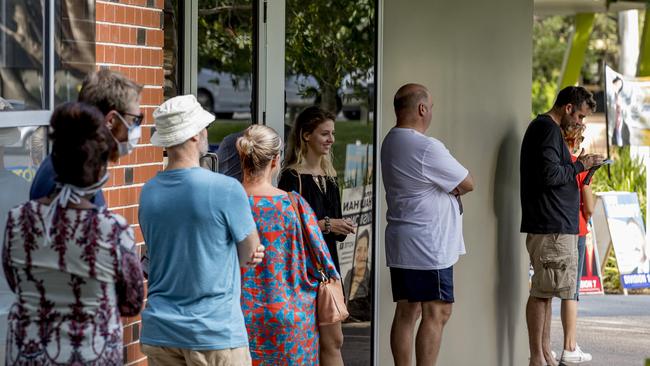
(550, 201)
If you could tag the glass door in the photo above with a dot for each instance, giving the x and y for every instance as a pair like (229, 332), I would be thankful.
(330, 58)
(225, 73)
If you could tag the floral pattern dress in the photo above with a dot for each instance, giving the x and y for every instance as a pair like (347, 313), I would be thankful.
(72, 289)
(279, 295)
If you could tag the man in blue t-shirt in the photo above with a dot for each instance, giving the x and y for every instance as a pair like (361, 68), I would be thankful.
(119, 99)
(199, 230)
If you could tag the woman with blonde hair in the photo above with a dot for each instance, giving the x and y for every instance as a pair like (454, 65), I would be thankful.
(279, 295)
(308, 170)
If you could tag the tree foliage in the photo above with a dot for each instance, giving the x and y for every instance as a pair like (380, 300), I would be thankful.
(225, 36)
(551, 37)
(328, 40)
(325, 39)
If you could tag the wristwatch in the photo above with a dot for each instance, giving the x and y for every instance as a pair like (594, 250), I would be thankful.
(328, 225)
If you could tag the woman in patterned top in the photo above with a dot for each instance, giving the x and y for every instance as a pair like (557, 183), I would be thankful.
(279, 295)
(72, 265)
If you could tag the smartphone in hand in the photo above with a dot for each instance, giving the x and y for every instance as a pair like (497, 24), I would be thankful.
(593, 169)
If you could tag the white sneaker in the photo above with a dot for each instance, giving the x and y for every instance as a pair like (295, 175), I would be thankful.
(575, 357)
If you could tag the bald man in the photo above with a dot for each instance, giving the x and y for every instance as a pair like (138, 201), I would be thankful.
(424, 237)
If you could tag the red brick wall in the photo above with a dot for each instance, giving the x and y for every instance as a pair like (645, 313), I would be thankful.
(129, 39)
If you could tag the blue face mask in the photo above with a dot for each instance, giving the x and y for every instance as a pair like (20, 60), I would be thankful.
(134, 134)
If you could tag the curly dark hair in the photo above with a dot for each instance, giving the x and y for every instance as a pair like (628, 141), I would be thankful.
(576, 96)
(81, 144)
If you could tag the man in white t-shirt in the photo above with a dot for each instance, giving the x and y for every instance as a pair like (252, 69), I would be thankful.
(424, 236)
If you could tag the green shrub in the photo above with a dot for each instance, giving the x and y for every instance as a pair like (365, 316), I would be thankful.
(627, 174)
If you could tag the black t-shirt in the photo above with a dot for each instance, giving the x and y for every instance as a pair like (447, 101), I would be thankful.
(550, 198)
(326, 203)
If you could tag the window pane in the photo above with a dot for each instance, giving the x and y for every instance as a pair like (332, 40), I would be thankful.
(330, 59)
(22, 150)
(225, 76)
(75, 46)
(173, 24)
(21, 54)
(22, 78)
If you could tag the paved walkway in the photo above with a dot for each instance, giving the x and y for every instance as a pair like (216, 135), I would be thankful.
(615, 329)
(356, 347)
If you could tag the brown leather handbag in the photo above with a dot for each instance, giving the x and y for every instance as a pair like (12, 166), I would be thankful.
(330, 302)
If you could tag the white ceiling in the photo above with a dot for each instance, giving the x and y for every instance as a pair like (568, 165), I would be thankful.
(568, 7)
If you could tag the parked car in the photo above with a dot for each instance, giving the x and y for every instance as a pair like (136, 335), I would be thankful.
(355, 98)
(223, 95)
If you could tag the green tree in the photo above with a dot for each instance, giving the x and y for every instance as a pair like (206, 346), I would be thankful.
(329, 39)
(225, 36)
(551, 36)
(326, 39)
(550, 40)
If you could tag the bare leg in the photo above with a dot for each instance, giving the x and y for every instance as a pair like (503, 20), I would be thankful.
(435, 315)
(401, 333)
(536, 319)
(331, 341)
(569, 316)
(546, 335)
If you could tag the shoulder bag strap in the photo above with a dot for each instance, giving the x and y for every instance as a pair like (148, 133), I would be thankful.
(305, 235)
(299, 184)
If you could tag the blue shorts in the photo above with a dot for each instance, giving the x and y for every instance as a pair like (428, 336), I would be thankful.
(416, 285)
(582, 241)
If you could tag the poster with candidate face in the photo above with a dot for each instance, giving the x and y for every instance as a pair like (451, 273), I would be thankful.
(355, 252)
(628, 238)
(628, 109)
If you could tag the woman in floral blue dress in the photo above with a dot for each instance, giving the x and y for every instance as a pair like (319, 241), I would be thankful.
(279, 295)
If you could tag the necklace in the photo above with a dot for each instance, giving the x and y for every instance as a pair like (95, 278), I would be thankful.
(321, 183)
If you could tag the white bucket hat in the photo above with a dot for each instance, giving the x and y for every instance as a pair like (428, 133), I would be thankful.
(178, 119)
(9, 135)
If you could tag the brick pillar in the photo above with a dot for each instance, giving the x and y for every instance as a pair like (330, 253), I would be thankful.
(129, 39)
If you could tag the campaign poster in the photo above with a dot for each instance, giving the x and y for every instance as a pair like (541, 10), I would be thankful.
(628, 238)
(355, 252)
(628, 109)
(591, 279)
(358, 164)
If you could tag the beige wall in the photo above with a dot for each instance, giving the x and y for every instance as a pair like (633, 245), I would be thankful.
(475, 57)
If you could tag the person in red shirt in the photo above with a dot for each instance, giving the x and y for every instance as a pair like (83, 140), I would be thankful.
(569, 309)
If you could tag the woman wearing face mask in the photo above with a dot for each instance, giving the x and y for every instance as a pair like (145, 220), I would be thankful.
(73, 265)
(279, 295)
(308, 170)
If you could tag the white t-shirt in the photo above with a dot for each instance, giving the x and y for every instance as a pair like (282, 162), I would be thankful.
(424, 228)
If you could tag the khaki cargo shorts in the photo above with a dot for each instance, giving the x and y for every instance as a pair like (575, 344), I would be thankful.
(168, 356)
(555, 262)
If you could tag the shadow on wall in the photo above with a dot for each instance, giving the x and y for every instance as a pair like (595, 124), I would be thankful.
(508, 214)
